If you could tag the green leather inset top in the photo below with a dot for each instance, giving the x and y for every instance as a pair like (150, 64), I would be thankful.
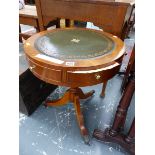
(74, 44)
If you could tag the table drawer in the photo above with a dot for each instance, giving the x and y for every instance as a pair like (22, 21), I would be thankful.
(91, 77)
(45, 73)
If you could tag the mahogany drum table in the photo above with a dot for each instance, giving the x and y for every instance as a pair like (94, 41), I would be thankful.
(74, 57)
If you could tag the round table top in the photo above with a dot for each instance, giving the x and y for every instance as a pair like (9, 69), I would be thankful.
(74, 48)
(74, 44)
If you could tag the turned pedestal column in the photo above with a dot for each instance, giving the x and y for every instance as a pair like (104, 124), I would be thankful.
(114, 134)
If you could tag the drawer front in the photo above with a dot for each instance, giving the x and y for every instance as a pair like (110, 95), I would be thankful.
(45, 73)
(87, 78)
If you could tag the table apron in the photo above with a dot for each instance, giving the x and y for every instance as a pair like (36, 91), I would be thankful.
(71, 78)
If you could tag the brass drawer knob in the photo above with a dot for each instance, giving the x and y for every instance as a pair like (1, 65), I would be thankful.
(97, 76)
(31, 67)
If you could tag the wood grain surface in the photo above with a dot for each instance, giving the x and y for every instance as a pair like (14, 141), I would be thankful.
(69, 72)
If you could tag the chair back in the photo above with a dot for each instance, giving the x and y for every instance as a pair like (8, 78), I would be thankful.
(107, 15)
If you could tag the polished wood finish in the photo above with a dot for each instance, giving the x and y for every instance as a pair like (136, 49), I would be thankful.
(109, 15)
(79, 64)
(84, 72)
(88, 69)
(131, 134)
(105, 136)
(114, 133)
(123, 108)
(74, 95)
(103, 89)
(42, 24)
(130, 71)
